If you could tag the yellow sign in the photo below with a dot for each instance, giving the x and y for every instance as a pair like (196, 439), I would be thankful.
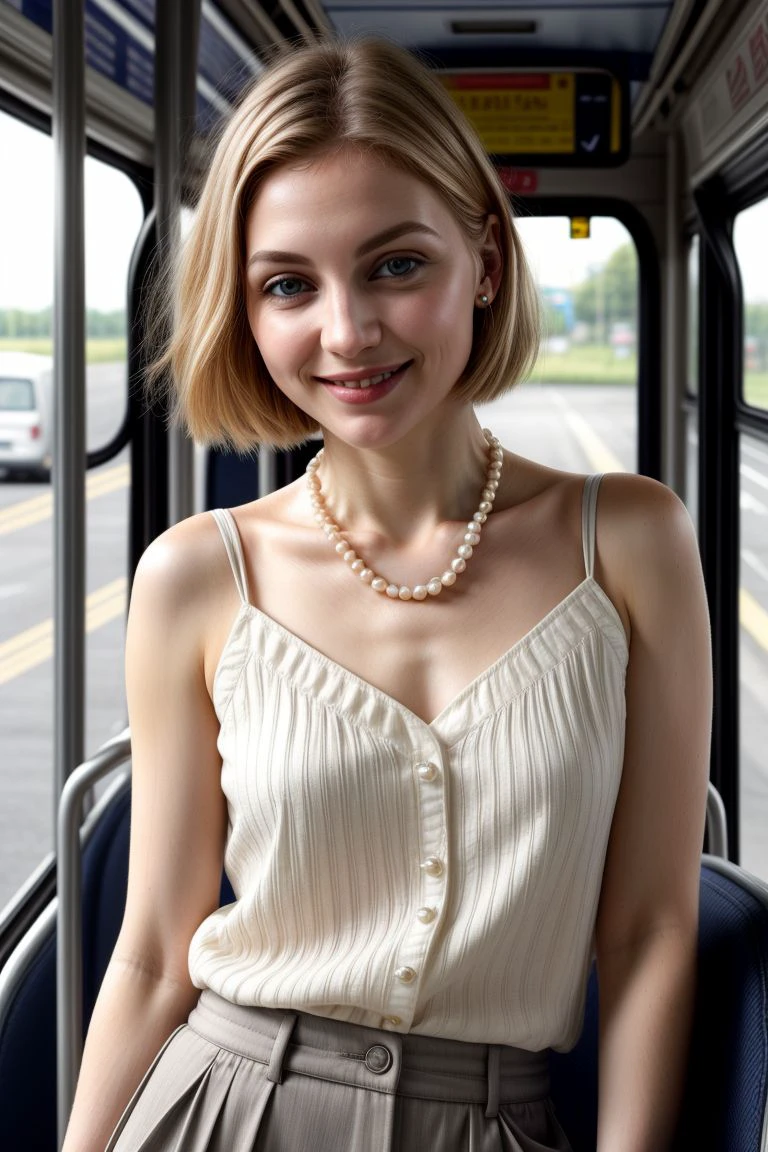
(525, 113)
(580, 227)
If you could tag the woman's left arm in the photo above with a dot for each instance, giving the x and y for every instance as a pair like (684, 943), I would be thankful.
(648, 914)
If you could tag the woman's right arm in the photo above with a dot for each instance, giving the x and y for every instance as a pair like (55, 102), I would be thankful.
(178, 828)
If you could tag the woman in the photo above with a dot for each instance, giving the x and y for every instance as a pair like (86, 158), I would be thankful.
(441, 711)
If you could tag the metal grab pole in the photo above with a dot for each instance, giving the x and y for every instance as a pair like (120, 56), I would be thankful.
(69, 922)
(68, 472)
(176, 38)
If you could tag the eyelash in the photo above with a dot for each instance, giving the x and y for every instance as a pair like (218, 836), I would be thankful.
(268, 288)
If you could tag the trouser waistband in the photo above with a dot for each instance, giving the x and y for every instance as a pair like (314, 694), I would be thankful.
(383, 1061)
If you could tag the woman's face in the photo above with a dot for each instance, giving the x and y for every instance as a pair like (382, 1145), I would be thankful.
(355, 270)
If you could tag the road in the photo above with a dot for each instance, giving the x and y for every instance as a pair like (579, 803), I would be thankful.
(584, 429)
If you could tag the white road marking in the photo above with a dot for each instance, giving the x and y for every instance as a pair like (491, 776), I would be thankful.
(755, 563)
(750, 503)
(9, 590)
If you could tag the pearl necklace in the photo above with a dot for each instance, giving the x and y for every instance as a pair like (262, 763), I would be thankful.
(435, 585)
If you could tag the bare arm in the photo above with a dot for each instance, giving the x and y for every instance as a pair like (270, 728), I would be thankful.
(648, 916)
(178, 824)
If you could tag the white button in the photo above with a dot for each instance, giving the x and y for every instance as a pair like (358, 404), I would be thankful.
(427, 772)
(393, 1020)
(426, 914)
(432, 866)
(405, 975)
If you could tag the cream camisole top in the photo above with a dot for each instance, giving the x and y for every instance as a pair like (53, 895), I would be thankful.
(438, 878)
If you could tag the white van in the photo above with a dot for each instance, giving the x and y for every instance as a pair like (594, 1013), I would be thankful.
(26, 414)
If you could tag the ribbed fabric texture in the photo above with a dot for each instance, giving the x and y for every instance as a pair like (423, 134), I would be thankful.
(331, 822)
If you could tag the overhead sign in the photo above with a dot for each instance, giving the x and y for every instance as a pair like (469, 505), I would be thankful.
(575, 117)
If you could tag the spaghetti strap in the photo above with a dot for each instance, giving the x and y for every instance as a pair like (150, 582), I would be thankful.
(589, 521)
(231, 538)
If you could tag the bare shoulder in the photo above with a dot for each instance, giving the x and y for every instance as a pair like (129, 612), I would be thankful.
(183, 589)
(646, 544)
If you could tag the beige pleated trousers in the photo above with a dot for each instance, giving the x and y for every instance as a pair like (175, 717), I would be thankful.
(236, 1079)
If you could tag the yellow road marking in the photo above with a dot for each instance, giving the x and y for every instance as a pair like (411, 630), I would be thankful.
(39, 508)
(35, 645)
(753, 618)
(597, 452)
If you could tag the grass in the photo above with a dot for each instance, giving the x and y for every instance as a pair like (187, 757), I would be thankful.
(756, 389)
(581, 364)
(585, 364)
(96, 351)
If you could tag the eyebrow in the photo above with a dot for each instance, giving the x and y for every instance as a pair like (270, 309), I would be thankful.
(275, 256)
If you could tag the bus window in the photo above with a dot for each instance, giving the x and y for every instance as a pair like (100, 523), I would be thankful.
(749, 232)
(753, 654)
(113, 219)
(749, 229)
(578, 410)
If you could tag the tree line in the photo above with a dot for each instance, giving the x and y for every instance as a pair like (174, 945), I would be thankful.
(608, 295)
(16, 324)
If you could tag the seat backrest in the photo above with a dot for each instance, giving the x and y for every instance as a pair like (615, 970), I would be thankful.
(28, 1016)
(725, 1105)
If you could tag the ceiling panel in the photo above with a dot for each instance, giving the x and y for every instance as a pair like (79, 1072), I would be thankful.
(631, 26)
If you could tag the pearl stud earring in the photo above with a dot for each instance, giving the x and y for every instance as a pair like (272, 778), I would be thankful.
(483, 299)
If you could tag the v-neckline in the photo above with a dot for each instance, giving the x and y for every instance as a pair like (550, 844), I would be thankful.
(588, 583)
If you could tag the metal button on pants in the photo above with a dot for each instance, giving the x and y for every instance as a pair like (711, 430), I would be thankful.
(378, 1059)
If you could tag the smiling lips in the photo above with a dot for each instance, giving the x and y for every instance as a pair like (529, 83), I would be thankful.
(357, 380)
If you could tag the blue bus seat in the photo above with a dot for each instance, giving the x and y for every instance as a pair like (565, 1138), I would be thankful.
(725, 1101)
(28, 1013)
(725, 1107)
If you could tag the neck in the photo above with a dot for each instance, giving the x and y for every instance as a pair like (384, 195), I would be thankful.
(406, 491)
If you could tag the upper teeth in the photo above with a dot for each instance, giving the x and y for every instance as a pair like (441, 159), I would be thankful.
(368, 381)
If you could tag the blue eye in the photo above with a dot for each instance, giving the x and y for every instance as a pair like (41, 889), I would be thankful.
(290, 286)
(399, 266)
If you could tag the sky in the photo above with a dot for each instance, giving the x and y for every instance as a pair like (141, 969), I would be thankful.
(114, 215)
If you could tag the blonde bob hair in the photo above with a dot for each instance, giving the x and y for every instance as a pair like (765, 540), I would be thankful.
(367, 93)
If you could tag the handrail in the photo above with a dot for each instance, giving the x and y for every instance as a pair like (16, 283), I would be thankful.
(69, 952)
(717, 824)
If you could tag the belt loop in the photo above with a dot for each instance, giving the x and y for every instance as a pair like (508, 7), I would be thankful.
(275, 1070)
(494, 1060)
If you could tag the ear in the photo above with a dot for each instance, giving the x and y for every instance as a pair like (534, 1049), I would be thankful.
(491, 260)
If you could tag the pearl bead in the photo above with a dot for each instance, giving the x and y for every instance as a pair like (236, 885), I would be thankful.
(426, 914)
(427, 772)
(432, 866)
(406, 975)
(335, 534)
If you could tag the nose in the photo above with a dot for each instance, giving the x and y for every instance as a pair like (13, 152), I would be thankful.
(350, 324)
